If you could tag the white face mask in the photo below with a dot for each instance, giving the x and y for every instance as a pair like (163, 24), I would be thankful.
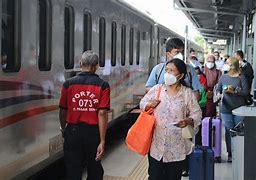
(241, 63)
(210, 65)
(226, 67)
(169, 79)
(4, 66)
(179, 56)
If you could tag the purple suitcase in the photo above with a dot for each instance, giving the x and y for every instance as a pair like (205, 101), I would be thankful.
(213, 125)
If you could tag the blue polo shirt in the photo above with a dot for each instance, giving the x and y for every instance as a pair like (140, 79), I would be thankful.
(152, 80)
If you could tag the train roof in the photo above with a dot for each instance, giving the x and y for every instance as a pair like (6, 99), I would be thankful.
(136, 11)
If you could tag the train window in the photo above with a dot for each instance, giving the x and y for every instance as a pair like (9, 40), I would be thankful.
(102, 41)
(144, 35)
(123, 44)
(113, 44)
(45, 35)
(87, 31)
(158, 43)
(10, 36)
(138, 48)
(131, 47)
(151, 42)
(69, 37)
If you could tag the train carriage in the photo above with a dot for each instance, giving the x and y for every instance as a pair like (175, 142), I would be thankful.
(41, 43)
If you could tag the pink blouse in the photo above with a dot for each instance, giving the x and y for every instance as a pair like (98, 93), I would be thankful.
(168, 142)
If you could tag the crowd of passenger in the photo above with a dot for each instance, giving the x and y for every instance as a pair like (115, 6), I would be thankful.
(190, 90)
(218, 83)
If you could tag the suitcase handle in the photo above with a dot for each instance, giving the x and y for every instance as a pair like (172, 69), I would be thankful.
(214, 136)
(210, 132)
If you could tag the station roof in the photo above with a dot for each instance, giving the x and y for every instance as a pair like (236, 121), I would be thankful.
(217, 19)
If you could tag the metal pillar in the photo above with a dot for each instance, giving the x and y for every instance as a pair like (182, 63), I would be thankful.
(254, 56)
(244, 35)
(234, 43)
(186, 44)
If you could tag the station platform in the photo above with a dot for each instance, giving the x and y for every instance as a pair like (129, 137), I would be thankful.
(122, 164)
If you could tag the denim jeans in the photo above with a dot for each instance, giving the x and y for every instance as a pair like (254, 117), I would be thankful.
(230, 121)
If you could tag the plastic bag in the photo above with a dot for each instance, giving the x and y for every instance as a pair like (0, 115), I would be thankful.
(139, 136)
(188, 132)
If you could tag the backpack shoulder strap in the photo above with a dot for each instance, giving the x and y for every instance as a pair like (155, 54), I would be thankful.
(159, 70)
(189, 74)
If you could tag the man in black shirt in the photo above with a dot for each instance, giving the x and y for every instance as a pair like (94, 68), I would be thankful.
(246, 68)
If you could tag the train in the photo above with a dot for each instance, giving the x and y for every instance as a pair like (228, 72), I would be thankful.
(41, 44)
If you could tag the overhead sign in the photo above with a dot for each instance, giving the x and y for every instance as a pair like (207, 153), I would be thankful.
(220, 42)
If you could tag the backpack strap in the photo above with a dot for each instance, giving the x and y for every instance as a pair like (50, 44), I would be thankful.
(189, 74)
(159, 70)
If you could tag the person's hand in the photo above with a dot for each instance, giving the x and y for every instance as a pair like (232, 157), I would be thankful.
(184, 122)
(230, 89)
(152, 104)
(197, 94)
(209, 94)
(100, 151)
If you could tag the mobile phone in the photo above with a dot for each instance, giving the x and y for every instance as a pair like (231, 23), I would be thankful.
(175, 124)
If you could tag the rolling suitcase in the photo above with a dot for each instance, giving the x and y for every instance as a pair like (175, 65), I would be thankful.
(201, 164)
(211, 129)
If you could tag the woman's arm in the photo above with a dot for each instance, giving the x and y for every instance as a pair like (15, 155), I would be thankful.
(149, 101)
(244, 90)
(194, 115)
(219, 85)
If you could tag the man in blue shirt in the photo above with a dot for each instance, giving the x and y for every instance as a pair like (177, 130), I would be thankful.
(174, 47)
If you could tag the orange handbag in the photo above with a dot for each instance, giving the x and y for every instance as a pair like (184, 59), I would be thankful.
(139, 136)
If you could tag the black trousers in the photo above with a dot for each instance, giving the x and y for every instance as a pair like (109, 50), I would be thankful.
(158, 170)
(80, 148)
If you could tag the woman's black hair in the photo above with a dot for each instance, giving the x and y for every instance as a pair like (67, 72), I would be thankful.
(182, 68)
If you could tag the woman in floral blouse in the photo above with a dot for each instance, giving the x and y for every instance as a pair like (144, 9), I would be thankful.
(176, 108)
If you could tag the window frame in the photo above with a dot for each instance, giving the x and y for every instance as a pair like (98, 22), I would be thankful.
(102, 41)
(131, 43)
(113, 42)
(45, 30)
(69, 37)
(123, 44)
(14, 62)
(87, 28)
(138, 48)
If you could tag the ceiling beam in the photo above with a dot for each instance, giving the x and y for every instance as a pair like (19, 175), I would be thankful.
(210, 37)
(208, 11)
(215, 35)
(214, 30)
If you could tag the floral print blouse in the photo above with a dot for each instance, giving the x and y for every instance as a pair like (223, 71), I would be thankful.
(168, 143)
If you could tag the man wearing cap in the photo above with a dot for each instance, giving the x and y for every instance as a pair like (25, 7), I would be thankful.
(83, 116)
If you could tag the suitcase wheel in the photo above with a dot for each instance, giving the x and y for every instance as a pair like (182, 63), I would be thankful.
(217, 159)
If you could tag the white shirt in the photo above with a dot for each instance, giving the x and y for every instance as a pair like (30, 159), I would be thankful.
(219, 64)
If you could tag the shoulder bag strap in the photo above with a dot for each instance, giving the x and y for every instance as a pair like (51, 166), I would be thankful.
(159, 92)
(151, 110)
(159, 71)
